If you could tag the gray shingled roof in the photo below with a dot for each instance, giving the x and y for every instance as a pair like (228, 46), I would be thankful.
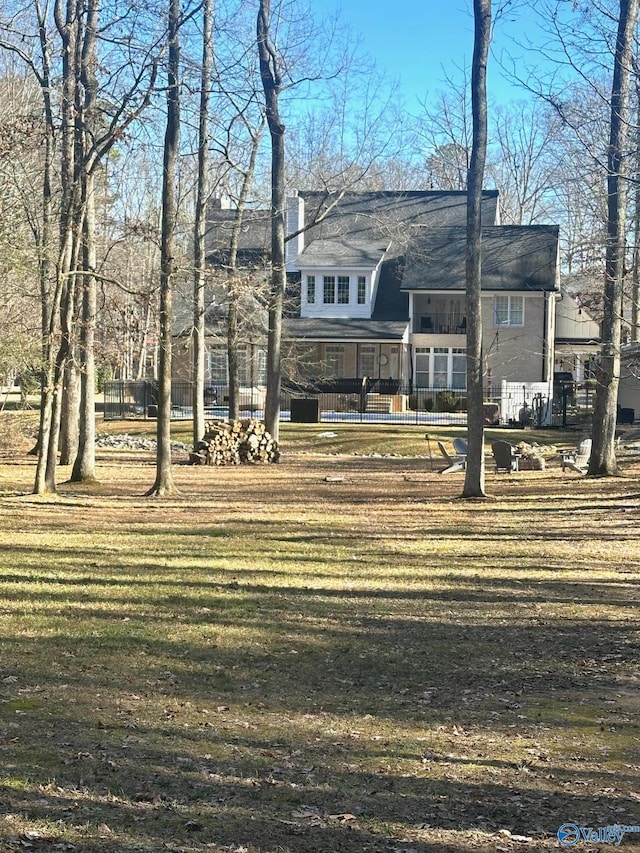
(514, 257)
(385, 210)
(363, 226)
(328, 329)
(364, 251)
(254, 242)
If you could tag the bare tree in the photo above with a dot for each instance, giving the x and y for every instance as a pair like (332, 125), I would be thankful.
(474, 475)
(603, 459)
(164, 483)
(200, 223)
(84, 464)
(271, 75)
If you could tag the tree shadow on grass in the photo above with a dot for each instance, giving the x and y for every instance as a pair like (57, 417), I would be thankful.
(241, 789)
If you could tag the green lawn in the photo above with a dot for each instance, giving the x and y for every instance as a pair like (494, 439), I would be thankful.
(331, 654)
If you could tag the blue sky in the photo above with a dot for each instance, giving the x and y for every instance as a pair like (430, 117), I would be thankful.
(423, 41)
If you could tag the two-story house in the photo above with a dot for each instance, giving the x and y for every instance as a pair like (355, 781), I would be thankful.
(377, 290)
(382, 290)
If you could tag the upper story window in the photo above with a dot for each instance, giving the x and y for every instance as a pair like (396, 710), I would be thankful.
(362, 290)
(509, 310)
(311, 289)
(324, 295)
(329, 289)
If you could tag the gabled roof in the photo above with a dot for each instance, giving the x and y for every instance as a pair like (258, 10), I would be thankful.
(514, 257)
(385, 210)
(363, 227)
(364, 251)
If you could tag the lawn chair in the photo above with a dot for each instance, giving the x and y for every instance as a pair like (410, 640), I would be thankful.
(578, 459)
(454, 463)
(505, 456)
(460, 446)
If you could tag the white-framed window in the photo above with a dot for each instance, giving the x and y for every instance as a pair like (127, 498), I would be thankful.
(247, 373)
(343, 290)
(367, 359)
(311, 289)
(422, 373)
(362, 290)
(440, 368)
(334, 360)
(329, 289)
(509, 310)
(261, 366)
(458, 368)
(218, 364)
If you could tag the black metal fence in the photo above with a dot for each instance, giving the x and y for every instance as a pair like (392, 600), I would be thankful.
(343, 401)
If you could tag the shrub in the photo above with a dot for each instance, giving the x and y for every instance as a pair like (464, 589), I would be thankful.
(448, 401)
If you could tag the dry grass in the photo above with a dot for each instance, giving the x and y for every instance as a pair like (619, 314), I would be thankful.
(332, 654)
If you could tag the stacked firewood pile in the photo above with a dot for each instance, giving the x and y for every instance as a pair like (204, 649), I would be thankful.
(235, 442)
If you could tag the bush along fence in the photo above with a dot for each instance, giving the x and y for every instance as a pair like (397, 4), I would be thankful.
(348, 400)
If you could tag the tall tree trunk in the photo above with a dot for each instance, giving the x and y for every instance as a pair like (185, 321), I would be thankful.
(474, 475)
(635, 266)
(603, 458)
(232, 345)
(70, 401)
(69, 28)
(199, 260)
(270, 63)
(46, 231)
(84, 465)
(45, 481)
(164, 484)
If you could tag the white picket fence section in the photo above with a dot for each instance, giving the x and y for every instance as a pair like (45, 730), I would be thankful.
(528, 402)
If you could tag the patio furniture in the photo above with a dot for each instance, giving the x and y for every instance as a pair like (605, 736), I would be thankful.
(505, 456)
(458, 462)
(578, 459)
(460, 446)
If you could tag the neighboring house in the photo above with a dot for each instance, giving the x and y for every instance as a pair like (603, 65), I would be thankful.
(629, 388)
(378, 291)
(383, 291)
(577, 339)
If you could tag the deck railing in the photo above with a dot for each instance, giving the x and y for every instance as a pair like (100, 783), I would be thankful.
(440, 324)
